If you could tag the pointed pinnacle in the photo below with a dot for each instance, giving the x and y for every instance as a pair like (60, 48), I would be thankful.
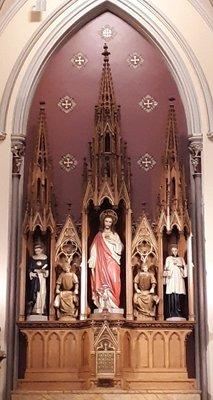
(106, 54)
(42, 105)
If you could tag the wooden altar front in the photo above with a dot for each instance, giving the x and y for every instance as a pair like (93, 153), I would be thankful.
(111, 354)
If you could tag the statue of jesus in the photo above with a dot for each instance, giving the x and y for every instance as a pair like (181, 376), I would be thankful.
(104, 261)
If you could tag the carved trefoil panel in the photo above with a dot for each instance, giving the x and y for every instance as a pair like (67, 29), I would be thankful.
(68, 243)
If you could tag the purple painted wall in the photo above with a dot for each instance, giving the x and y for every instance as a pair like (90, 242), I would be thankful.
(70, 133)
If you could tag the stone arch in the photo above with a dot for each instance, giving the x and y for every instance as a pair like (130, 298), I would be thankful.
(64, 20)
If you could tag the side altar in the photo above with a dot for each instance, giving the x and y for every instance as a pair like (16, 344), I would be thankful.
(108, 306)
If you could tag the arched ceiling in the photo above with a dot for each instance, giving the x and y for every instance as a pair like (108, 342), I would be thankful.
(70, 132)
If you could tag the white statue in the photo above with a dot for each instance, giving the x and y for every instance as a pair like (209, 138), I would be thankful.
(38, 271)
(175, 272)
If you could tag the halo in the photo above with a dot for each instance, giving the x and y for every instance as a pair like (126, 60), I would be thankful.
(173, 245)
(38, 244)
(108, 213)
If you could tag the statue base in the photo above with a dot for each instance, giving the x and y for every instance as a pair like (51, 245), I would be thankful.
(67, 318)
(173, 319)
(37, 317)
(115, 313)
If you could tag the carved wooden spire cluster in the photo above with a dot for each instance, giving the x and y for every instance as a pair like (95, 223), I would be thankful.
(108, 172)
(172, 196)
(106, 95)
(39, 204)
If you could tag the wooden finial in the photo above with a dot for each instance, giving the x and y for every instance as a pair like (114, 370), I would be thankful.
(69, 207)
(42, 105)
(106, 53)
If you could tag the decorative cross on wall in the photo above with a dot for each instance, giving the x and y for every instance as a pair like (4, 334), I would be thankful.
(107, 32)
(66, 104)
(135, 60)
(148, 103)
(68, 162)
(79, 60)
(146, 162)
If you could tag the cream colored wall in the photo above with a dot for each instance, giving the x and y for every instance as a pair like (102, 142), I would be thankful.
(208, 218)
(5, 186)
(183, 16)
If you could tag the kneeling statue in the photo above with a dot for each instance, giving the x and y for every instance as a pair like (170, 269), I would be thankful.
(145, 299)
(66, 300)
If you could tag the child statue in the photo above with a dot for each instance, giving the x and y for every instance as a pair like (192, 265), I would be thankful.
(145, 299)
(66, 300)
(38, 273)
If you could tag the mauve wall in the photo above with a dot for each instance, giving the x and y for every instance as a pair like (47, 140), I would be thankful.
(70, 133)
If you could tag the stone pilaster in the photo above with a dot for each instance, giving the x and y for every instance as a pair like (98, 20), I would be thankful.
(17, 148)
(195, 149)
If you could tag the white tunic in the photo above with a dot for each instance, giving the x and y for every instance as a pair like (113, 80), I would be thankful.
(175, 271)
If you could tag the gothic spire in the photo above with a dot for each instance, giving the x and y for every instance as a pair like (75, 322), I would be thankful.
(172, 196)
(107, 174)
(106, 95)
(171, 154)
(39, 207)
(41, 156)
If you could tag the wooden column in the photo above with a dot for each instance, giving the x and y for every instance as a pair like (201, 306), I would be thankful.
(22, 279)
(190, 267)
(52, 277)
(129, 277)
(84, 266)
(160, 278)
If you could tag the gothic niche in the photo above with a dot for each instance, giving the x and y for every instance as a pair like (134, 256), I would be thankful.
(106, 201)
(145, 271)
(38, 233)
(67, 261)
(106, 355)
(174, 233)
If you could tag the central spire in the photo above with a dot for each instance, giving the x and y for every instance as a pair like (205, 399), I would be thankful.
(106, 96)
(108, 172)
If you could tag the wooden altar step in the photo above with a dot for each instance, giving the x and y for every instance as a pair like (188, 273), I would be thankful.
(107, 394)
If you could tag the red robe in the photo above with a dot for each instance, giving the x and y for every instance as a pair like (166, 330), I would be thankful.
(105, 272)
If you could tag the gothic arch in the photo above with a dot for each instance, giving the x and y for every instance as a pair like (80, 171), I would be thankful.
(186, 69)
